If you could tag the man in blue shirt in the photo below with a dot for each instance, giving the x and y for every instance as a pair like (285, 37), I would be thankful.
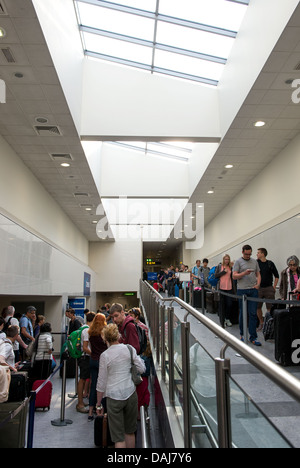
(26, 325)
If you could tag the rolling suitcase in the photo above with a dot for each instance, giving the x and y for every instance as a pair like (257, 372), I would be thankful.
(101, 432)
(286, 332)
(43, 397)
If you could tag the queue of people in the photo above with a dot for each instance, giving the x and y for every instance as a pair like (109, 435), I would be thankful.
(21, 335)
(105, 369)
(254, 277)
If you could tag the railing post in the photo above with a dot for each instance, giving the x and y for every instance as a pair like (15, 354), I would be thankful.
(171, 354)
(163, 342)
(245, 318)
(223, 402)
(186, 383)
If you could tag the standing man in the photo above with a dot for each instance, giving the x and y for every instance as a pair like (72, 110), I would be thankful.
(171, 281)
(246, 272)
(267, 289)
(26, 325)
(11, 320)
(74, 323)
(197, 273)
(126, 326)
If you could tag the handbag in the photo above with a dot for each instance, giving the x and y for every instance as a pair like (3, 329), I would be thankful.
(135, 375)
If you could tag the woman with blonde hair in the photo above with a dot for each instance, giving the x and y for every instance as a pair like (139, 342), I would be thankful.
(97, 346)
(115, 383)
(226, 284)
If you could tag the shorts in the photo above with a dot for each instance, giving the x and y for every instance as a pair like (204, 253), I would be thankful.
(122, 417)
(84, 366)
(266, 293)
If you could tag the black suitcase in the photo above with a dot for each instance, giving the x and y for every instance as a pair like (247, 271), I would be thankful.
(19, 388)
(101, 432)
(197, 298)
(212, 305)
(286, 331)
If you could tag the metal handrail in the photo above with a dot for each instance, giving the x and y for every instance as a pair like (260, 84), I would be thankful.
(278, 375)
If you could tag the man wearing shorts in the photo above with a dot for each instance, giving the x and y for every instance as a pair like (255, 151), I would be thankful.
(268, 272)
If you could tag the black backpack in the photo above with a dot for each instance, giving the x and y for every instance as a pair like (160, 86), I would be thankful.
(6, 325)
(141, 333)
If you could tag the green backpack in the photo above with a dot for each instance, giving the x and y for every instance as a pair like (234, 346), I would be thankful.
(73, 343)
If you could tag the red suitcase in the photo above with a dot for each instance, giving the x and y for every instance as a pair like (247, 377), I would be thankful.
(43, 397)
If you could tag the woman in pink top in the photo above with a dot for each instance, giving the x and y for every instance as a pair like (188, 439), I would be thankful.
(226, 284)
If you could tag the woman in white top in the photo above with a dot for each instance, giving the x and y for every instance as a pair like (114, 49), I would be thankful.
(115, 383)
(43, 357)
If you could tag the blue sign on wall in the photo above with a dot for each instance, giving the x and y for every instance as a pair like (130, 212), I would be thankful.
(78, 305)
(87, 284)
(152, 276)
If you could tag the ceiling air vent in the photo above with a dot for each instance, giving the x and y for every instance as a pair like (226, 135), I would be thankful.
(81, 194)
(47, 130)
(297, 67)
(6, 51)
(61, 156)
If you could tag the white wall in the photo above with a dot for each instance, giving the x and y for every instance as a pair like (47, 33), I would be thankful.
(131, 173)
(271, 198)
(119, 101)
(29, 204)
(118, 265)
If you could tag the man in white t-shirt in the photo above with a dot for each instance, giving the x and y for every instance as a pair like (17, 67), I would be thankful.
(7, 355)
(11, 320)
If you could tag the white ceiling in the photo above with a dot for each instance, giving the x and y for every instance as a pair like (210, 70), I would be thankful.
(39, 94)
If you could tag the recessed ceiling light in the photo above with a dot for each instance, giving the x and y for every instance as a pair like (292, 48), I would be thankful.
(65, 164)
(88, 209)
(210, 191)
(2, 32)
(228, 166)
(259, 123)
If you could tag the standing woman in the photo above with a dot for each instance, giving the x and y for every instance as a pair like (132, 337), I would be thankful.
(289, 277)
(115, 383)
(226, 284)
(97, 346)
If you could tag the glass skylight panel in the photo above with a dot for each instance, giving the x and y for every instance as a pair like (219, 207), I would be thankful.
(190, 39)
(188, 65)
(147, 5)
(117, 22)
(219, 13)
(193, 39)
(117, 48)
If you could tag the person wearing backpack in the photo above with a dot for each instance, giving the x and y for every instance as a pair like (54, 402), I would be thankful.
(10, 320)
(97, 347)
(126, 326)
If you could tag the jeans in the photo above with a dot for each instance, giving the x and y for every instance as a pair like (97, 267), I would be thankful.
(252, 312)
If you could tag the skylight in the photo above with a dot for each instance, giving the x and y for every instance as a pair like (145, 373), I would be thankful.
(173, 150)
(190, 40)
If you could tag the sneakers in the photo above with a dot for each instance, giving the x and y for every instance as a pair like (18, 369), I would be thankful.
(254, 342)
(228, 323)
